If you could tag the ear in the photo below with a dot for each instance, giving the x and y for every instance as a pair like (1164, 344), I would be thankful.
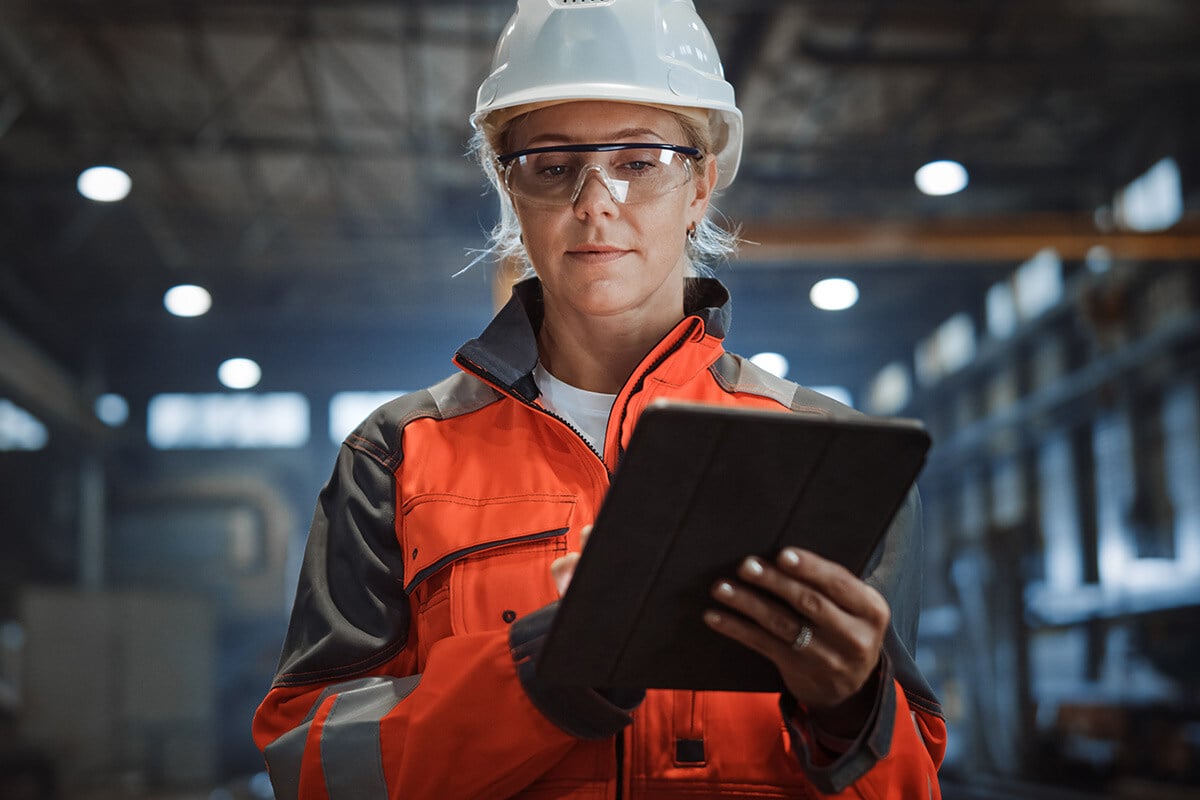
(705, 185)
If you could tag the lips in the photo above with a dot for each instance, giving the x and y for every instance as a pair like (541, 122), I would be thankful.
(595, 249)
(596, 257)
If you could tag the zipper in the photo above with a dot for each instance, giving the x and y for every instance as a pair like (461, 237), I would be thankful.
(620, 743)
(483, 374)
(466, 551)
(575, 430)
(641, 380)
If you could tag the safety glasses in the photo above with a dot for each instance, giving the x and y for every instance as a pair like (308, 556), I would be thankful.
(632, 173)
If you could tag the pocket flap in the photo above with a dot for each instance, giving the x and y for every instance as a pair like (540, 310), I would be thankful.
(441, 528)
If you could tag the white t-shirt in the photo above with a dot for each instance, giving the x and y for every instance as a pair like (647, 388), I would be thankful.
(586, 411)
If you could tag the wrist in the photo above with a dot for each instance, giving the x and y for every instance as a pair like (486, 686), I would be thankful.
(847, 719)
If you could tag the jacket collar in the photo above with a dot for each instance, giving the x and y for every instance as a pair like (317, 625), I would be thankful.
(506, 351)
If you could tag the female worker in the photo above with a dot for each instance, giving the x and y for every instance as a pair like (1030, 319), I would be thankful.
(409, 665)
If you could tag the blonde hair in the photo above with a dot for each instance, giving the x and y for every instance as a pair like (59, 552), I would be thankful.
(707, 244)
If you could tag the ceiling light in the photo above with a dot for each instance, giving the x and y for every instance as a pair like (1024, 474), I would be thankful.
(834, 294)
(774, 363)
(239, 373)
(111, 409)
(104, 184)
(941, 178)
(187, 300)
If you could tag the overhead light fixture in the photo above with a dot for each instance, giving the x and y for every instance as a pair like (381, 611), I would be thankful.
(941, 178)
(111, 409)
(104, 184)
(187, 300)
(239, 373)
(774, 363)
(834, 294)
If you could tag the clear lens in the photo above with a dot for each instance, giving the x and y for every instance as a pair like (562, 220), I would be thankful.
(631, 175)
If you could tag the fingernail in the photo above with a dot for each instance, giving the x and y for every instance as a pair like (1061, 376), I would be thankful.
(712, 617)
(753, 566)
(725, 588)
(789, 557)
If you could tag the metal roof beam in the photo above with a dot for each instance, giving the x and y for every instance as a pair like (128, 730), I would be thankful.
(992, 241)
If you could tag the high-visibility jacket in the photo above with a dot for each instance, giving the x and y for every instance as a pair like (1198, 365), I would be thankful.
(425, 591)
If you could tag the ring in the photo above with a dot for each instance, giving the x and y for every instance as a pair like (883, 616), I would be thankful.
(803, 638)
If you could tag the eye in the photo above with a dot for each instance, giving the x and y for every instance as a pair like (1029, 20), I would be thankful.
(551, 167)
(638, 162)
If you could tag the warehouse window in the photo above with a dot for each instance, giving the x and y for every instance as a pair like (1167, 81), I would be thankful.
(348, 409)
(947, 350)
(1038, 284)
(890, 389)
(220, 421)
(20, 430)
(1058, 513)
(1152, 202)
(1121, 563)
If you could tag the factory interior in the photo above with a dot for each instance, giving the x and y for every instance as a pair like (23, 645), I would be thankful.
(982, 215)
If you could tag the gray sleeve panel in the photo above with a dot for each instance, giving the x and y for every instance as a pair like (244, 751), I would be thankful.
(871, 746)
(580, 711)
(351, 746)
(285, 755)
(740, 375)
(350, 613)
(896, 571)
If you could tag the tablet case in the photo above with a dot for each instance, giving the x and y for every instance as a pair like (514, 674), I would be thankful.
(699, 489)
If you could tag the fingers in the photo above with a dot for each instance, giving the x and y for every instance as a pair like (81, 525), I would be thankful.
(562, 569)
(762, 625)
(815, 582)
(770, 606)
(846, 613)
(769, 611)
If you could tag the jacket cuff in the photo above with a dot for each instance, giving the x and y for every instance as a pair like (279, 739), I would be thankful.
(832, 771)
(581, 711)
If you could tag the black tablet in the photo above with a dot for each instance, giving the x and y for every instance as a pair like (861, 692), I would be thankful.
(700, 488)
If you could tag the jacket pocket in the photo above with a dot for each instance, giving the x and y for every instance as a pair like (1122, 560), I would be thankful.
(476, 564)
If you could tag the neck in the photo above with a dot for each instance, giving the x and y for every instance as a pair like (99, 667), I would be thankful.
(598, 354)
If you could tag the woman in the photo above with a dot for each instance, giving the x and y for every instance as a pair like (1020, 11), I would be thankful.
(455, 515)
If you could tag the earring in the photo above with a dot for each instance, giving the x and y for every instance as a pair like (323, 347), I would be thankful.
(691, 232)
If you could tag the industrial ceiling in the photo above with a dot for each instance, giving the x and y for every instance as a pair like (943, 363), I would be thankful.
(306, 162)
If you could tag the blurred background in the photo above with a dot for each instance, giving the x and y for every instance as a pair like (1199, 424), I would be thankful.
(982, 214)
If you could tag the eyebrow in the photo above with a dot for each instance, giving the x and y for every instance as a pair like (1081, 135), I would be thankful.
(627, 133)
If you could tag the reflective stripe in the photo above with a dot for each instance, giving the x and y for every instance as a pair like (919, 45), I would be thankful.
(285, 755)
(283, 762)
(351, 751)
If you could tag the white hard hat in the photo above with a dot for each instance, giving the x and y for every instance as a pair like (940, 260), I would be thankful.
(653, 52)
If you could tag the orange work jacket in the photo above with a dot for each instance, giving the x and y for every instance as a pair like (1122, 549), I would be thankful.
(407, 671)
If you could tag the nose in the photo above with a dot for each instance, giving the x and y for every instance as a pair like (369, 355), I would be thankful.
(600, 195)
